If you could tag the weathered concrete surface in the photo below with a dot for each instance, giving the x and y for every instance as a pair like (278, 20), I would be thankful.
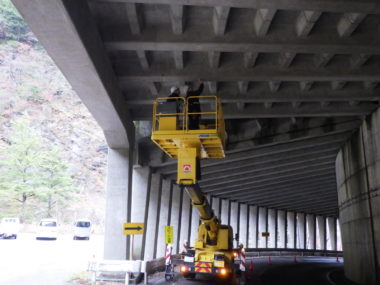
(115, 243)
(358, 169)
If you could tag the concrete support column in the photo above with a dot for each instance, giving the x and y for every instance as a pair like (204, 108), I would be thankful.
(320, 232)
(141, 187)
(117, 203)
(243, 229)
(358, 180)
(194, 225)
(331, 234)
(271, 228)
(175, 216)
(152, 207)
(252, 226)
(290, 230)
(184, 235)
(310, 234)
(234, 217)
(224, 211)
(262, 227)
(300, 230)
(163, 217)
(281, 233)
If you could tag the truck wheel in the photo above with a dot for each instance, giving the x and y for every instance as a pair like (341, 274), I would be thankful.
(15, 236)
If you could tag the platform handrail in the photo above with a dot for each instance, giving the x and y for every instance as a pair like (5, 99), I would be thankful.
(218, 115)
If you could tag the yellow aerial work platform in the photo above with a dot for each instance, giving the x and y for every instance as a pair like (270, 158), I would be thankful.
(189, 129)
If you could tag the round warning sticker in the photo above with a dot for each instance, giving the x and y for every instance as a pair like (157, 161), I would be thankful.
(186, 168)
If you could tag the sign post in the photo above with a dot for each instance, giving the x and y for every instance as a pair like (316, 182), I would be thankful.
(133, 229)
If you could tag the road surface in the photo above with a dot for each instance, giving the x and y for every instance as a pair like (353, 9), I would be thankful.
(27, 261)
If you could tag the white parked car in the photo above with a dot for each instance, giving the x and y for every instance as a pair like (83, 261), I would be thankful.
(82, 229)
(47, 229)
(9, 227)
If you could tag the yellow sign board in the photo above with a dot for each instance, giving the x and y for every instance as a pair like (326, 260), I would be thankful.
(169, 235)
(133, 228)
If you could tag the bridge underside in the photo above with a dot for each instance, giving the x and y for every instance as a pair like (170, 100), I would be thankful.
(296, 79)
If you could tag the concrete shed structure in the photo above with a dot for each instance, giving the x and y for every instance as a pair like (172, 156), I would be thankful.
(299, 85)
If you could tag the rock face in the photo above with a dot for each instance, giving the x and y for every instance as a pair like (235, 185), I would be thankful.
(32, 86)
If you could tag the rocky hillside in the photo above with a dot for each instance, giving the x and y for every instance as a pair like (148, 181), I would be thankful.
(32, 87)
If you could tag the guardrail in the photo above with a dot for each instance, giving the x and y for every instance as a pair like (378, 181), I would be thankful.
(117, 270)
(292, 251)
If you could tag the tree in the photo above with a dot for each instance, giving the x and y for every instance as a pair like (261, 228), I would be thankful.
(57, 184)
(19, 167)
(11, 23)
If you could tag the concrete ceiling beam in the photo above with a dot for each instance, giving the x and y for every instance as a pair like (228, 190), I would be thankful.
(337, 6)
(214, 59)
(290, 186)
(319, 138)
(306, 110)
(306, 21)
(327, 179)
(358, 60)
(135, 18)
(179, 61)
(306, 85)
(270, 167)
(262, 174)
(321, 60)
(348, 23)
(177, 18)
(220, 19)
(143, 59)
(250, 59)
(263, 20)
(236, 73)
(312, 195)
(323, 171)
(286, 59)
(324, 47)
(289, 97)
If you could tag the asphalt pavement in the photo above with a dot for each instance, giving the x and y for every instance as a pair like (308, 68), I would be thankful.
(27, 261)
(278, 271)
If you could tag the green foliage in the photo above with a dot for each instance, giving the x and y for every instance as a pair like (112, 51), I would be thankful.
(11, 23)
(29, 172)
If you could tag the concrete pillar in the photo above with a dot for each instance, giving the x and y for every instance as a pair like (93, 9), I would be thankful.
(358, 181)
(163, 217)
(271, 228)
(117, 205)
(215, 206)
(184, 235)
(320, 232)
(234, 218)
(243, 229)
(175, 215)
(194, 225)
(310, 232)
(331, 235)
(252, 226)
(290, 230)
(281, 229)
(262, 227)
(300, 230)
(224, 212)
(338, 237)
(140, 185)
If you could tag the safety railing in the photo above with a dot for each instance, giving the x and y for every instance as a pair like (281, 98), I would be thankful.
(190, 114)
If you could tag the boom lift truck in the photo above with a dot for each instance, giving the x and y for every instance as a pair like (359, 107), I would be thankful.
(213, 248)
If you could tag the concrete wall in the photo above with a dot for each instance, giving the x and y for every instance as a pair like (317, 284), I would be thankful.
(358, 179)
